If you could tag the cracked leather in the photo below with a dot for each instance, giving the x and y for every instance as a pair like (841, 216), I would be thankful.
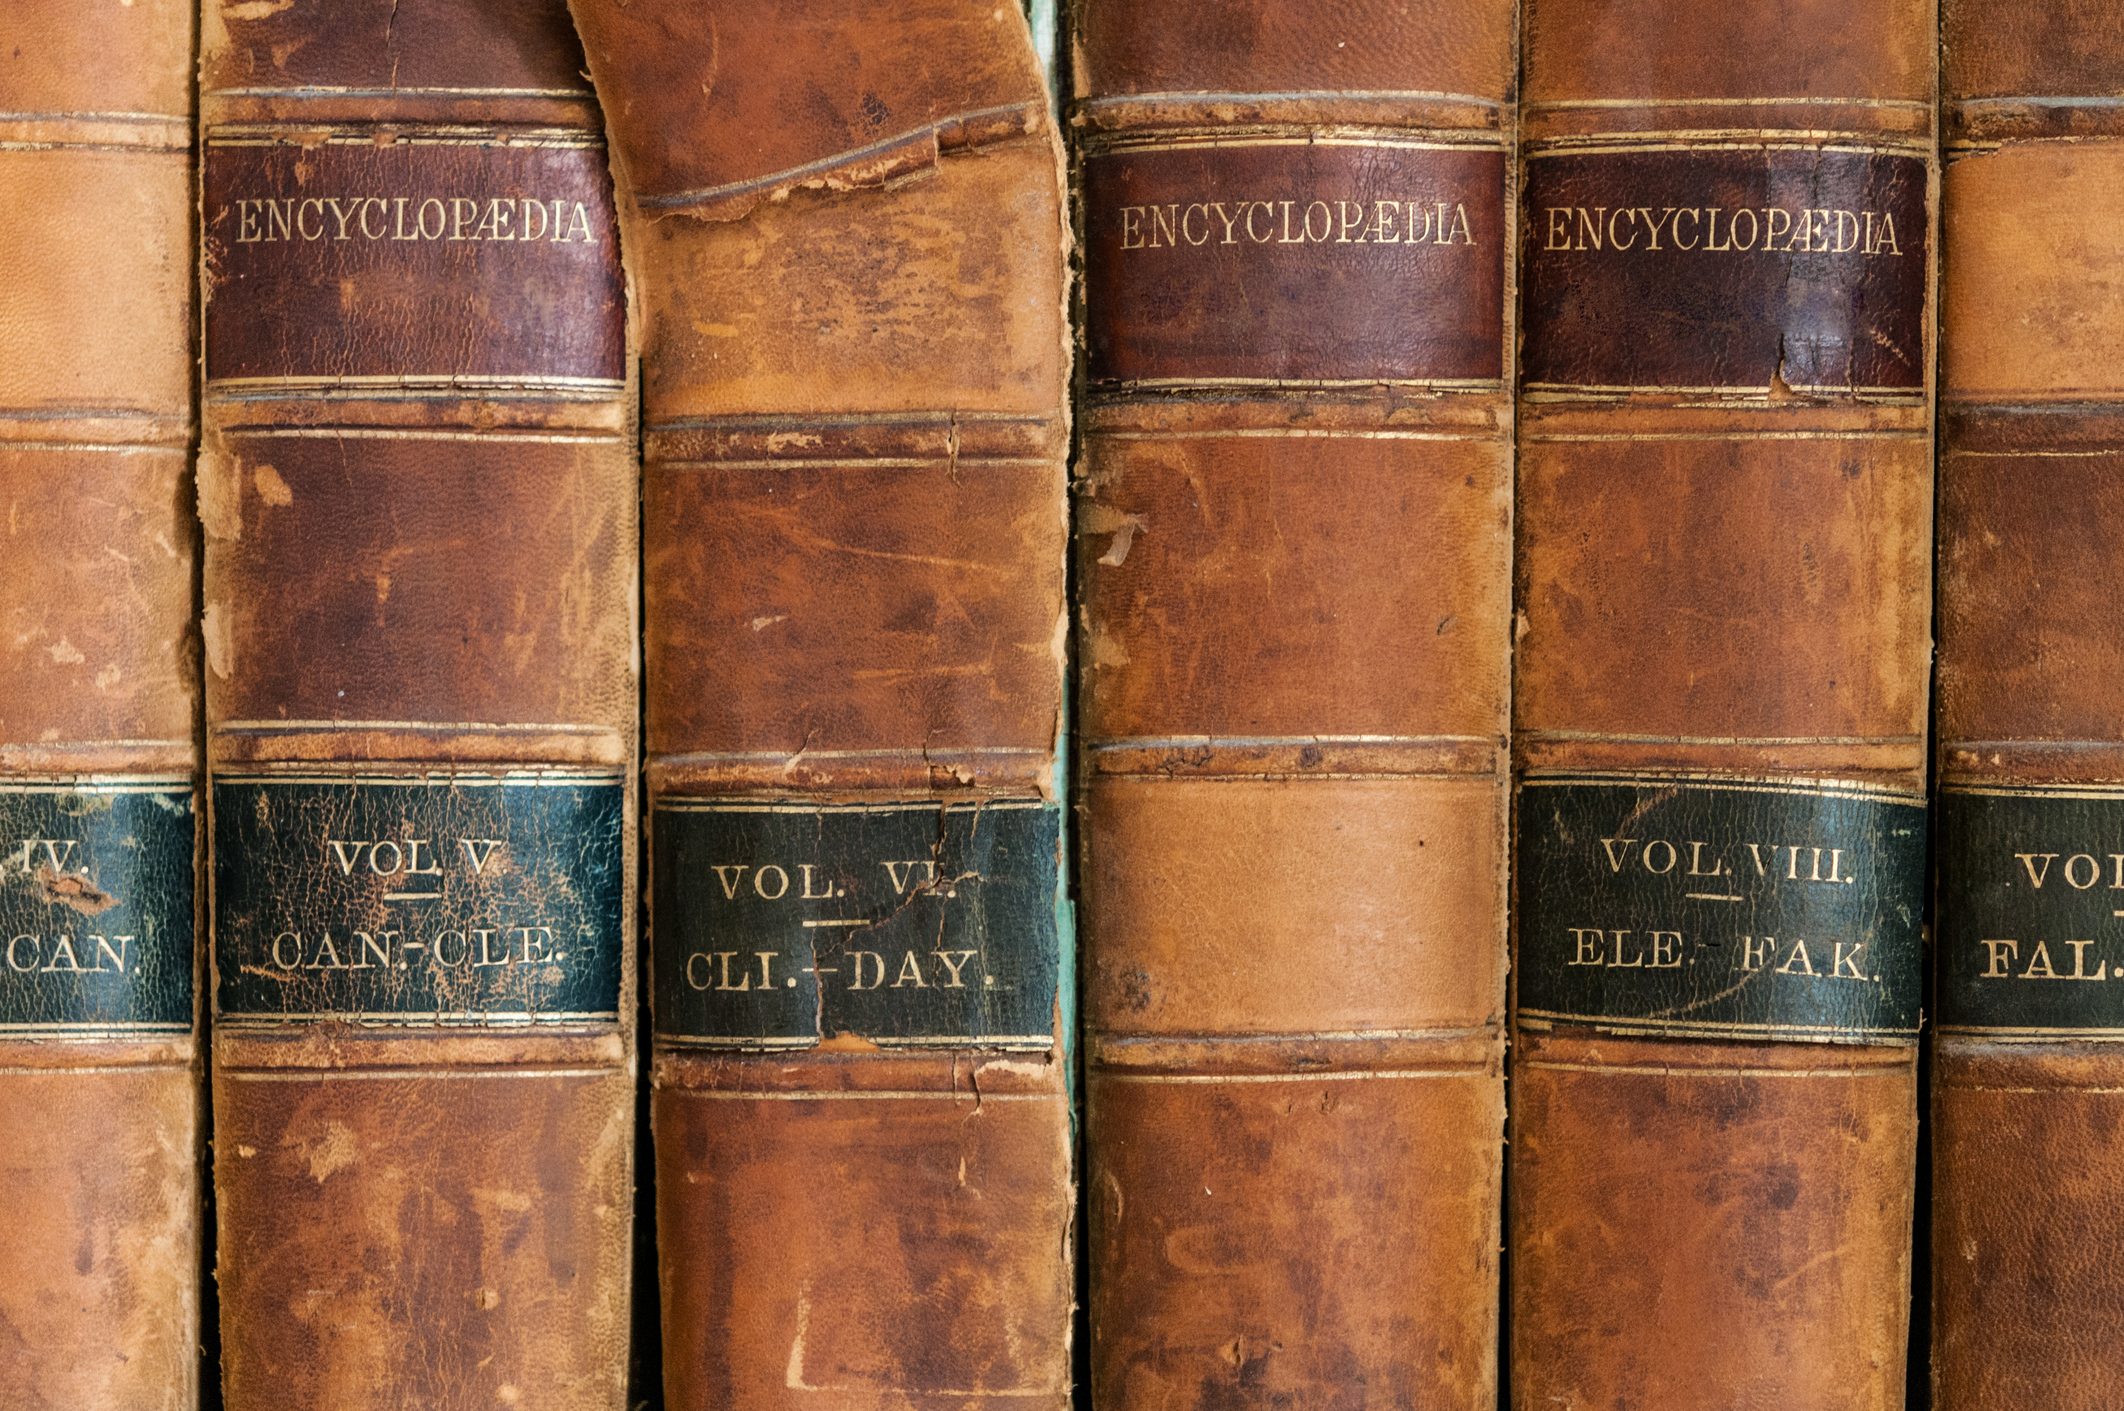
(2027, 1076)
(850, 229)
(418, 487)
(1724, 590)
(1293, 550)
(99, 754)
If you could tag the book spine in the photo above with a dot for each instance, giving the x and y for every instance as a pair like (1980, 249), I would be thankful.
(855, 376)
(1294, 550)
(2027, 1070)
(419, 492)
(1724, 598)
(99, 700)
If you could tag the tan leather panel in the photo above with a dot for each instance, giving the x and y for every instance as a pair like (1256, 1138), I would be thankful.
(1744, 50)
(1358, 1188)
(1262, 907)
(1226, 574)
(1738, 587)
(96, 325)
(821, 303)
(95, 639)
(1683, 1215)
(64, 57)
(2043, 49)
(2031, 562)
(99, 1176)
(864, 1250)
(851, 234)
(928, 73)
(818, 591)
(494, 590)
(2035, 229)
(2023, 1149)
(496, 1205)
(1260, 47)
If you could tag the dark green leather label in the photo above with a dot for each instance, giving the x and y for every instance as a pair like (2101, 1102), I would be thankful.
(780, 925)
(437, 899)
(1680, 908)
(2030, 912)
(96, 908)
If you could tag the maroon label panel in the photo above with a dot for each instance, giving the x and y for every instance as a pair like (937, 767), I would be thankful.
(1726, 269)
(417, 259)
(1292, 260)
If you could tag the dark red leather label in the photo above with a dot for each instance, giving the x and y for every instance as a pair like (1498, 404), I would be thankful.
(1294, 259)
(1734, 269)
(418, 260)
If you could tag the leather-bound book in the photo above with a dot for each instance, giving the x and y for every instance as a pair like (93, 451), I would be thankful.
(1723, 592)
(850, 227)
(2028, 1053)
(419, 492)
(99, 699)
(1294, 536)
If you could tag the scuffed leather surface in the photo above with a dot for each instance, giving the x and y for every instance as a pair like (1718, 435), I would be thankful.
(1131, 47)
(99, 1141)
(388, 1242)
(1734, 586)
(864, 1239)
(1710, 1225)
(748, 98)
(101, 1177)
(407, 579)
(855, 374)
(2026, 1287)
(1293, 558)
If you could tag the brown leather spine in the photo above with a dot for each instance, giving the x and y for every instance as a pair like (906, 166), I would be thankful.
(1723, 606)
(2027, 1070)
(418, 486)
(851, 240)
(99, 1070)
(1293, 550)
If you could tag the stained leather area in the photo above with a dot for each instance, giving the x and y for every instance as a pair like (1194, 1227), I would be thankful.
(408, 45)
(1742, 49)
(2002, 207)
(833, 304)
(813, 107)
(1792, 575)
(101, 1177)
(894, 1250)
(2024, 1147)
(1227, 570)
(375, 257)
(1369, 1230)
(1242, 47)
(1751, 1204)
(540, 634)
(832, 619)
(128, 670)
(1209, 257)
(461, 1238)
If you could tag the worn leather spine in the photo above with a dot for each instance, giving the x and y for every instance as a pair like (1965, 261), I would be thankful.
(1294, 547)
(99, 1073)
(419, 491)
(1720, 700)
(851, 234)
(2027, 1068)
